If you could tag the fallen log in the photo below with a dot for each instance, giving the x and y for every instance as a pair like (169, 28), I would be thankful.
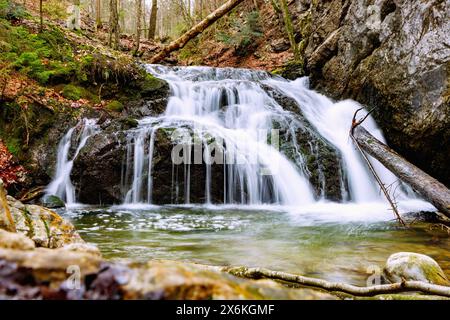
(196, 30)
(427, 186)
(405, 286)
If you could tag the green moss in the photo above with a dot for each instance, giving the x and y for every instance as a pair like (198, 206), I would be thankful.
(13, 145)
(151, 83)
(47, 231)
(72, 92)
(129, 123)
(291, 70)
(115, 106)
(28, 222)
(11, 10)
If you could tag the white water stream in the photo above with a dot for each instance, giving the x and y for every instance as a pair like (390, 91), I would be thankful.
(61, 185)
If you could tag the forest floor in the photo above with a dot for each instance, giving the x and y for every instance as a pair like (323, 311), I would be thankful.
(239, 41)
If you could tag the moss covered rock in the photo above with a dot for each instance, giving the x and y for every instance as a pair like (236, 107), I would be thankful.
(115, 106)
(53, 202)
(414, 266)
(72, 92)
(43, 226)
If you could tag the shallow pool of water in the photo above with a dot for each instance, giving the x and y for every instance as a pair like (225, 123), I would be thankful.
(332, 249)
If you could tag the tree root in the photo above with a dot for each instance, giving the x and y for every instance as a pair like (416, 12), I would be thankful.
(405, 286)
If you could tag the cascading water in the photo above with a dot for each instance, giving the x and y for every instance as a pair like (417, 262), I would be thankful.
(61, 185)
(332, 120)
(227, 105)
(228, 116)
(232, 105)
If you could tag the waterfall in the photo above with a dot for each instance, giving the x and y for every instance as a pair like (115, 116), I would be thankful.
(333, 120)
(61, 185)
(233, 108)
(227, 121)
(226, 105)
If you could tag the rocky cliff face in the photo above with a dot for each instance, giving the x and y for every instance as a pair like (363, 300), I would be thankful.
(390, 55)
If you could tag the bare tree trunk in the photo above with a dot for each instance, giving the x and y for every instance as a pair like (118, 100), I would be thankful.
(196, 30)
(138, 25)
(425, 185)
(290, 29)
(98, 14)
(200, 9)
(114, 25)
(122, 23)
(41, 16)
(185, 12)
(152, 22)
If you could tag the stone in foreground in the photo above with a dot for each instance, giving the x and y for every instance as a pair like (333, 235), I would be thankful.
(414, 266)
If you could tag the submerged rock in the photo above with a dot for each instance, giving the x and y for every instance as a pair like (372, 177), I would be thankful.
(414, 266)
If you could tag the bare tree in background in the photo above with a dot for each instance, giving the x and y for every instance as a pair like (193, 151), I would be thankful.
(152, 22)
(113, 25)
(41, 16)
(138, 25)
(98, 14)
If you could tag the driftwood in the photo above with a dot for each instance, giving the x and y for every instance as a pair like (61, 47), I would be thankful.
(196, 30)
(428, 187)
(405, 286)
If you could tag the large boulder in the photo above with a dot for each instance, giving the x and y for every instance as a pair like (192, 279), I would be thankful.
(391, 55)
(414, 266)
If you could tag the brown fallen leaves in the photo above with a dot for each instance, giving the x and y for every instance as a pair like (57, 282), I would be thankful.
(10, 171)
